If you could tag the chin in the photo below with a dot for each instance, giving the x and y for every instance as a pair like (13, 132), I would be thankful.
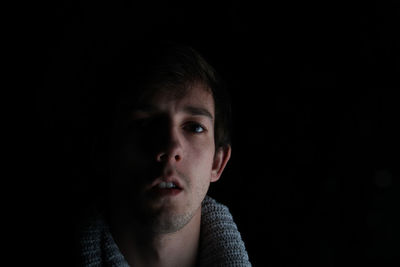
(170, 221)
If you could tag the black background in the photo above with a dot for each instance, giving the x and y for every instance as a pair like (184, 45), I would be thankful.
(313, 179)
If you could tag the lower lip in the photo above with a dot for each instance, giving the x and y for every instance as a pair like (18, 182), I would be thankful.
(165, 191)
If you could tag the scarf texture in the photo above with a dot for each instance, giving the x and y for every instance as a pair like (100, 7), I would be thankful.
(220, 241)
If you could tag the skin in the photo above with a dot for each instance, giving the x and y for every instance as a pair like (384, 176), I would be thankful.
(170, 136)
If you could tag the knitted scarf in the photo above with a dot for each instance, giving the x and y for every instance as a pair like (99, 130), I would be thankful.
(220, 241)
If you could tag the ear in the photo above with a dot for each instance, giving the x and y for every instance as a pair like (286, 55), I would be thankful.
(221, 158)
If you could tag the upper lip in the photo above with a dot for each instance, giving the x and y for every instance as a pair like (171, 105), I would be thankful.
(167, 179)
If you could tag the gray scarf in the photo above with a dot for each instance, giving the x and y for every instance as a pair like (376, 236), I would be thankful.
(220, 241)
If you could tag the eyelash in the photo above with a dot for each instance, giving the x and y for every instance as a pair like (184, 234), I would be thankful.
(191, 126)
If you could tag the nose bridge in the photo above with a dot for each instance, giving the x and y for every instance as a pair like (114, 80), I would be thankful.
(173, 137)
(172, 146)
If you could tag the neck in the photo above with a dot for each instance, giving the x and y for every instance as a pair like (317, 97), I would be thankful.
(143, 247)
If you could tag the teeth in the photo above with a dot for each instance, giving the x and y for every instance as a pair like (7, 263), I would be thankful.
(163, 185)
(170, 185)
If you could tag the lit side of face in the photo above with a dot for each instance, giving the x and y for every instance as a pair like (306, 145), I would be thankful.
(169, 141)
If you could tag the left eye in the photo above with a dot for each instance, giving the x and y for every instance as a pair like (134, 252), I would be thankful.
(195, 128)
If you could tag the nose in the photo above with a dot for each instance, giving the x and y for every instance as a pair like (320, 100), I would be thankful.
(163, 157)
(171, 149)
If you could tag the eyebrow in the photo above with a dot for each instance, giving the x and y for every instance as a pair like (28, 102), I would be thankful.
(191, 110)
(198, 111)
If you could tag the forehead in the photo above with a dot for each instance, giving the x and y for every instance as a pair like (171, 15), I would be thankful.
(195, 95)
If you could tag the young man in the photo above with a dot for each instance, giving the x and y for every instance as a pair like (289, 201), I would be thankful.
(169, 141)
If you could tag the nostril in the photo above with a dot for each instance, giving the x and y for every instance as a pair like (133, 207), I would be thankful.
(161, 157)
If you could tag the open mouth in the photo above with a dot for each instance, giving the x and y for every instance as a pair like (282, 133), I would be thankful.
(166, 189)
(167, 185)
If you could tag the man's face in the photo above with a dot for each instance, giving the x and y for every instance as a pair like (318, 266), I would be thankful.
(168, 141)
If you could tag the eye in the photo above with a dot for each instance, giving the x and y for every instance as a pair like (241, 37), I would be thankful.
(142, 124)
(195, 127)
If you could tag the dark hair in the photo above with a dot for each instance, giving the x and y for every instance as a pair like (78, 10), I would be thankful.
(140, 69)
(125, 79)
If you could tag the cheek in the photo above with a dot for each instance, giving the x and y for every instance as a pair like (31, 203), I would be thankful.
(200, 157)
(132, 155)
(128, 152)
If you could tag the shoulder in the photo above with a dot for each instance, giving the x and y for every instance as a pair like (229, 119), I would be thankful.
(211, 205)
(221, 242)
(216, 218)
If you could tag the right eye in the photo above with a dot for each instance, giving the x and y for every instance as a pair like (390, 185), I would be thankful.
(140, 124)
